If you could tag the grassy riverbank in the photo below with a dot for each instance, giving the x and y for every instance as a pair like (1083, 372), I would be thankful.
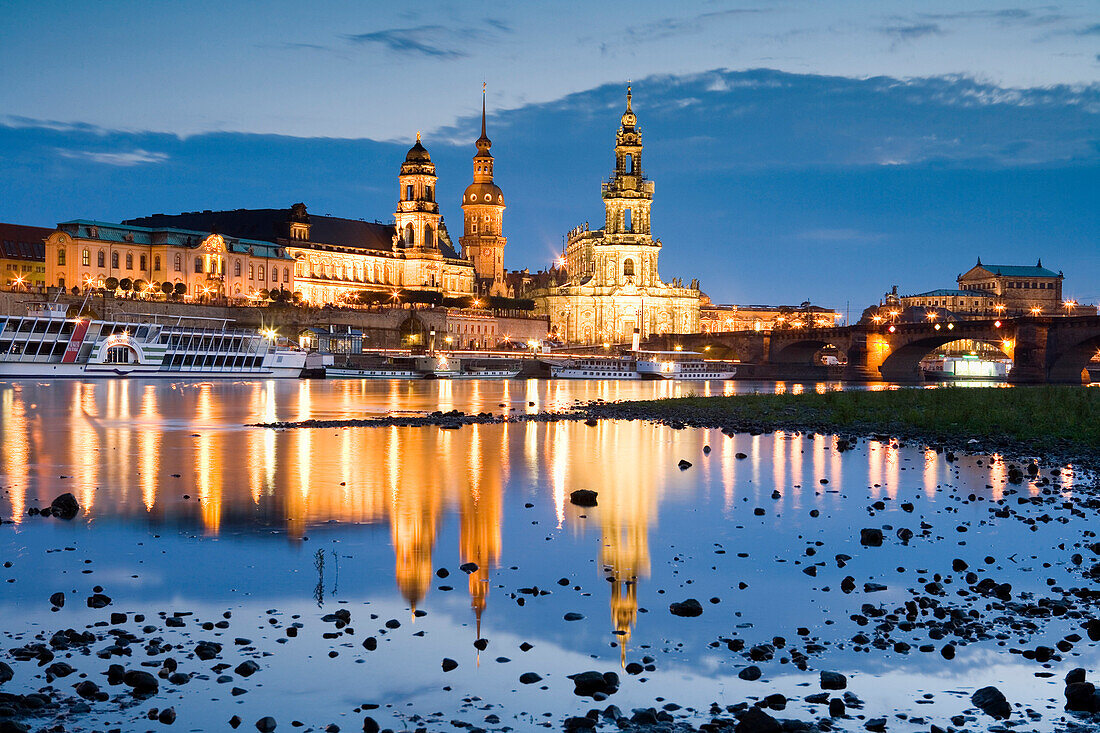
(1049, 416)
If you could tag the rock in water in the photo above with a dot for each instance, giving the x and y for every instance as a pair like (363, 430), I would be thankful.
(583, 497)
(448, 664)
(266, 724)
(58, 599)
(529, 678)
(690, 607)
(833, 681)
(6, 673)
(591, 683)
(870, 537)
(992, 702)
(756, 720)
(65, 506)
(684, 465)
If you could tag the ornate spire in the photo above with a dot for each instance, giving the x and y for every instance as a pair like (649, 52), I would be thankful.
(629, 118)
(483, 142)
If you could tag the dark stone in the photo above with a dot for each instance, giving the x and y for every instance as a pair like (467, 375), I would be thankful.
(142, 682)
(6, 673)
(98, 600)
(266, 724)
(65, 506)
(167, 716)
(870, 537)
(468, 567)
(836, 708)
(755, 720)
(87, 690)
(1075, 675)
(591, 683)
(583, 497)
(579, 723)
(833, 681)
(1081, 697)
(750, 673)
(684, 465)
(991, 701)
(529, 678)
(370, 725)
(58, 599)
(688, 608)
(247, 668)
(449, 664)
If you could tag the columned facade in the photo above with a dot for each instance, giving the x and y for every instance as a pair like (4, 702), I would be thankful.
(613, 285)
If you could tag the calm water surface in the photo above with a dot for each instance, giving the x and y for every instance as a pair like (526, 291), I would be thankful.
(187, 509)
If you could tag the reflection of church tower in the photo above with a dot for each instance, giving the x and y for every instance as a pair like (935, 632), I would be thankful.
(483, 209)
(479, 533)
(625, 556)
(417, 217)
(628, 195)
(412, 522)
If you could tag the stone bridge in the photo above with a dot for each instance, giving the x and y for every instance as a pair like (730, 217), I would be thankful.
(1043, 349)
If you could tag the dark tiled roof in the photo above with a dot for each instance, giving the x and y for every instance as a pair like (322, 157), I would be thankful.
(1021, 271)
(271, 225)
(133, 234)
(945, 293)
(18, 242)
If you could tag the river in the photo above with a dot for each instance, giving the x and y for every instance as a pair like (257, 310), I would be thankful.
(186, 509)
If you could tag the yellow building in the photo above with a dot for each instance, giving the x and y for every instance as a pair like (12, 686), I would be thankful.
(714, 318)
(336, 259)
(23, 255)
(85, 254)
(608, 283)
(483, 237)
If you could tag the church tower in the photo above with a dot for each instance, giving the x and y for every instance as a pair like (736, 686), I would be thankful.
(417, 216)
(627, 195)
(483, 210)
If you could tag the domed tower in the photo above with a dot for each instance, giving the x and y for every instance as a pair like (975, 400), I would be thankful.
(417, 217)
(483, 210)
(628, 195)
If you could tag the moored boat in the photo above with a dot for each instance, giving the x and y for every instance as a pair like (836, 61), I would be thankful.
(46, 344)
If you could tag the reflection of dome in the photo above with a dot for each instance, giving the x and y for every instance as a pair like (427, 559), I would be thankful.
(476, 194)
(418, 153)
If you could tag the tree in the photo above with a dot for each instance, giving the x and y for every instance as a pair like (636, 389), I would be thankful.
(140, 286)
(111, 284)
(126, 284)
(166, 288)
(180, 289)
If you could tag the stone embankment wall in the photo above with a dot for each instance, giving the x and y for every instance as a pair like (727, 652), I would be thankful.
(381, 328)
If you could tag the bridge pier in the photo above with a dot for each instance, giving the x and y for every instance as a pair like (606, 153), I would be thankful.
(1029, 355)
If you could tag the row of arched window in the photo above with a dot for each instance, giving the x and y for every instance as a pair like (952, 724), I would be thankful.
(143, 262)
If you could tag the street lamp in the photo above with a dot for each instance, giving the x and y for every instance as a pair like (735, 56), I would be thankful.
(1036, 310)
(931, 315)
(1069, 305)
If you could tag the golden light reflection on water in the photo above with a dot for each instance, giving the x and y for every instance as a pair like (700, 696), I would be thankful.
(125, 441)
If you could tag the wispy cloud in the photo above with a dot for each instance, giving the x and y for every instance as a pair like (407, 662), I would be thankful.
(911, 31)
(121, 159)
(1004, 15)
(422, 40)
(1089, 30)
(430, 40)
(668, 27)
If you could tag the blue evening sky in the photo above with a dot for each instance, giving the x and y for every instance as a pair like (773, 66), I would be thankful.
(801, 149)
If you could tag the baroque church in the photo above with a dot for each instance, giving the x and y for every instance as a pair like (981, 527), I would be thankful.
(607, 286)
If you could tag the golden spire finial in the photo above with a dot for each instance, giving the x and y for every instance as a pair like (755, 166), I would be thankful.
(418, 135)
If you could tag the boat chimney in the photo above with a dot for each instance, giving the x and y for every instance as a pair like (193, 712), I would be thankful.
(635, 339)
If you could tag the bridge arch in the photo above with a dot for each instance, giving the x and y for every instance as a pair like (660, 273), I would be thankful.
(903, 363)
(802, 351)
(1069, 355)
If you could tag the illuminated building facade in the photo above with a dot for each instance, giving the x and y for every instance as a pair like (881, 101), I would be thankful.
(23, 255)
(483, 237)
(86, 254)
(337, 258)
(609, 284)
(714, 318)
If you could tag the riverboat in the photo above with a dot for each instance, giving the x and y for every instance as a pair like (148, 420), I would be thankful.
(46, 344)
(425, 367)
(682, 365)
(966, 369)
(649, 365)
